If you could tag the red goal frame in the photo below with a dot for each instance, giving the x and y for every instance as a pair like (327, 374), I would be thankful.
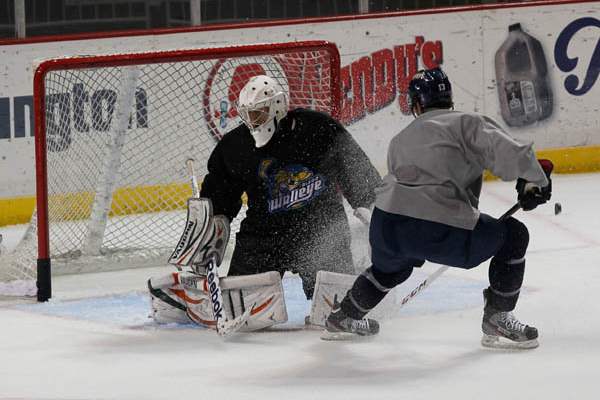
(44, 287)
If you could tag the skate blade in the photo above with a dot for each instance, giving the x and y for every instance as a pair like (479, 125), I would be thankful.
(496, 342)
(343, 336)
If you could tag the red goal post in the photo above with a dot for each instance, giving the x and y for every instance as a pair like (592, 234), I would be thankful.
(148, 112)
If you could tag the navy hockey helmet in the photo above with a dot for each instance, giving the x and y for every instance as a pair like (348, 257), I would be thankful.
(430, 88)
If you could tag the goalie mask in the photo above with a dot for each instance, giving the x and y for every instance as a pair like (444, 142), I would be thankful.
(261, 105)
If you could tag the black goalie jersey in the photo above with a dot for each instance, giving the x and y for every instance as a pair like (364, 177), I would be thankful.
(294, 186)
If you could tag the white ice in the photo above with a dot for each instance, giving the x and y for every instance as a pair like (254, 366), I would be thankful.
(94, 341)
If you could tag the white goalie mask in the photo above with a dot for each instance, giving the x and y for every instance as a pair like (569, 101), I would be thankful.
(261, 105)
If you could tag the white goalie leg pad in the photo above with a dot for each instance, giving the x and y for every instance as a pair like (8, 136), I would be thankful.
(203, 236)
(167, 299)
(263, 292)
(197, 300)
(327, 286)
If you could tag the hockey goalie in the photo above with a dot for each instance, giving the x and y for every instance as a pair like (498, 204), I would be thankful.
(295, 167)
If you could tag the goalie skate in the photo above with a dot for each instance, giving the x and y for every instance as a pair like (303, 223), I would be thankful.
(501, 330)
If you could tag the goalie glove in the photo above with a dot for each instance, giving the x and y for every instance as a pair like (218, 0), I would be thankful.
(204, 235)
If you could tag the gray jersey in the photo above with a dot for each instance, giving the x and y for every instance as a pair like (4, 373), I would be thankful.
(436, 163)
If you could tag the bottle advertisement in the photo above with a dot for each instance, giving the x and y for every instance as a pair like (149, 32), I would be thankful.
(524, 88)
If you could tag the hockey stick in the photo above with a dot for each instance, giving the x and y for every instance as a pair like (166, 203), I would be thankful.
(436, 274)
(224, 327)
(189, 163)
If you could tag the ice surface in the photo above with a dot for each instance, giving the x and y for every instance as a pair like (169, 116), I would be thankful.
(94, 340)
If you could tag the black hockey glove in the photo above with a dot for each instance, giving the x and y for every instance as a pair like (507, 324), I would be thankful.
(530, 195)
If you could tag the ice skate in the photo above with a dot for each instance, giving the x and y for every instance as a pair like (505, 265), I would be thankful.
(340, 326)
(502, 330)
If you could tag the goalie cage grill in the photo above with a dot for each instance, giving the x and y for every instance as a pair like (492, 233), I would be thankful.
(112, 135)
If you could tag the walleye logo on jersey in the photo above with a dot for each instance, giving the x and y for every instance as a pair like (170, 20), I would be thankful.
(290, 187)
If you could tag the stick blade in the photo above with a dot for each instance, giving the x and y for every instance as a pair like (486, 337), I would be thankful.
(496, 342)
(226, 329)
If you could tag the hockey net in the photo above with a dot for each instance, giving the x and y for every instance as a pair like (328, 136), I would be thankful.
(112, 136)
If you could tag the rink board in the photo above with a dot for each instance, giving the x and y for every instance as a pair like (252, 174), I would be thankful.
(379, 53)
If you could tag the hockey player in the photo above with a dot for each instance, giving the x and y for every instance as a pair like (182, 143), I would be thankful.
(295, 168)
(428, 211)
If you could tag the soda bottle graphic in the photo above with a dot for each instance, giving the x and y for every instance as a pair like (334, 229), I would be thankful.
(522, 79)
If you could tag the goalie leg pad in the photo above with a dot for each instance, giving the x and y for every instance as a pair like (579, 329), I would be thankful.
(328, 285)
(167, 299)
(197, 298)
(263, 292)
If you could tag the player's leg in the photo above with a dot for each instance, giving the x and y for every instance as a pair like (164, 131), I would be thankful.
(252, 281)
(505, 241)
(335, 274)
(185, 298)
(506, 273)
(249, 256)
(390, 268)
(328, 251)
(400, 243)
(263, 292)
(180, 298)
(167, 299)
(507, 267)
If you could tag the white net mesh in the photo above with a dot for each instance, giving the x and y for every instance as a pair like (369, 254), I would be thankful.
(117, 141)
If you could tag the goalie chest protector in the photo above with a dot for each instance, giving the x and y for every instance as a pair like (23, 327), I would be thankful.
(292, 182)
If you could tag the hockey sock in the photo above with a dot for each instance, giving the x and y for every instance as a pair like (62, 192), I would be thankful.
(508, 268)
(506, 279)
(369, 289)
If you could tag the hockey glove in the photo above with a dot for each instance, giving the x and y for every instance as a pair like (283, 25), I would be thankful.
(204, 235)
(531, 195)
